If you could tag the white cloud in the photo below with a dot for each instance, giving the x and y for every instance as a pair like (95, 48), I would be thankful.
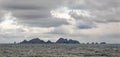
(66, 13)
(10, 28)
(63, 12)
(8, 22)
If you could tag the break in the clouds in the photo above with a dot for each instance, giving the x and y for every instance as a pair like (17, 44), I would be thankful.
(84, 20)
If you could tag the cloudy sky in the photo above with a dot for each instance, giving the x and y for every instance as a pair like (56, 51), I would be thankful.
(82, 20)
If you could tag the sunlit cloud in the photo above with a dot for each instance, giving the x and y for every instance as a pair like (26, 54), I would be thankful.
(65, 13)
(8, 22)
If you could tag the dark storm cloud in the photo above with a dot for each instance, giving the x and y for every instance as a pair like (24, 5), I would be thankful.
(44, 22)
(22, 7)
(31, 14)
(28, 4)
(84, 26)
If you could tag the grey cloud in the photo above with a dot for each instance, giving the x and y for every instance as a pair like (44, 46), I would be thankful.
(44, 22)
(29, 4)
(103, 11)
(36, 13)
(22, 7)
(102, 4)
(84, 26)
(31, 14)
(28, 9)
(115, 36)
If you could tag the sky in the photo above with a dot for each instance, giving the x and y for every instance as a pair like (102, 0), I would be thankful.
(82, 20)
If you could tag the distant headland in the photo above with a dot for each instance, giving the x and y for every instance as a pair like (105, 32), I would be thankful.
(59, 41)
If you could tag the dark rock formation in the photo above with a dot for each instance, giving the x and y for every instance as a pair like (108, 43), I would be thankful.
(24, 42)
(49, 42)
(62, 40)
(73, 41)
(36, 41)
(103, 43)
(33, 41)
(65, 41)
(59, 41)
